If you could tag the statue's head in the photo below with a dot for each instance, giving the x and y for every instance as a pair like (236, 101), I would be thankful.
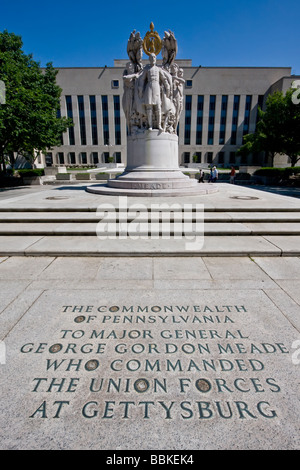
(152, 59)
(174, 69)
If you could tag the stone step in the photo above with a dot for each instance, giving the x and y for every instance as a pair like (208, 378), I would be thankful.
(91, 246)
(82, 217)
(147, 228)
(56, 207)
(237, 222)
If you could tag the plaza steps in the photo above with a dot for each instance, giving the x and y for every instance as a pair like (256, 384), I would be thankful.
(71, 231)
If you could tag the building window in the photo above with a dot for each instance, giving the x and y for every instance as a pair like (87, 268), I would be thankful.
(95, 158)
(212, 103)
(117, 118)
(211, 120)
(244, 159)
(61, 158)
(186, 157)
(115, 84)
(235, 115)
(210, 138)
(72, 158)
(221, 158)
(84, 158)
(256, 159)
(188, 117)
(105, 119)
(118, 157)
(209, 157)
(70, 115)
(247, 115)
(49, 159)
(58, 115)
(260, 104)
(188, 83)
(93, 111)
(197, 157)
(199, 125)
(106, 157)
(232, 158)
(81, 119)
(233, 138)
(223, 118)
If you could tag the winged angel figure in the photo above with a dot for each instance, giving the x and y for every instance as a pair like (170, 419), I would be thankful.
(169, 49)
(135, 50)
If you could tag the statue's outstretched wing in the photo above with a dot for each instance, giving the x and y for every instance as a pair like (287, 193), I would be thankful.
(173, 47)
(130, 45)
(169, 48)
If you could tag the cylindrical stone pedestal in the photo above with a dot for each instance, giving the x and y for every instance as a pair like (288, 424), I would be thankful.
(152, 169)
(152, 150)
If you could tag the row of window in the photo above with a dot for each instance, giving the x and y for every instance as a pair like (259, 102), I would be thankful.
(219, 158)
(211, 136)
(93, 119)
(82, 158)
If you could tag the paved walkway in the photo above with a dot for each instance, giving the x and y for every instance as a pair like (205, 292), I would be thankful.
(134, 353)
(149, 353)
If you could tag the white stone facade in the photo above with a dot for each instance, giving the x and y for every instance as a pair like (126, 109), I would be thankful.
(220, 104)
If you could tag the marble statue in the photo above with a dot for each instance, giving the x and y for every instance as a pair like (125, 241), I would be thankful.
(135, 50)
(152, 87)
(152, 103)
(153, 95)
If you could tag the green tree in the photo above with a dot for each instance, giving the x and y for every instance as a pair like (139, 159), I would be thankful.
(278, 129)
(29, 120)
(291, 131)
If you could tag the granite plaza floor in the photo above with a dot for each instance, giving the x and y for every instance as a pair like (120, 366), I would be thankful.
(149, 350)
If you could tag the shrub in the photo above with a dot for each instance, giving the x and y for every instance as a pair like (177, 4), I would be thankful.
(243, 176)
(280, 173)
(31, 172)
(82, 176)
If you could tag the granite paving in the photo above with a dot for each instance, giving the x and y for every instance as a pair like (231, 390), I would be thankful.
(147, 353)
(142, 344)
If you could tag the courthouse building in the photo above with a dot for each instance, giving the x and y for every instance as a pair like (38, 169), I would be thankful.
(219, 107)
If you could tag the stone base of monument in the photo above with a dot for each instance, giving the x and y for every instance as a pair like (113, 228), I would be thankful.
(152, 169)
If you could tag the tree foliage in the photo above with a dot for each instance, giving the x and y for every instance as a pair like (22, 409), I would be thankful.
(29, 120)
(278, 128)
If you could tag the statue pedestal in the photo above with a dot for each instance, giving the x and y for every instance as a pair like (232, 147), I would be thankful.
(152, 149)
(152, 169)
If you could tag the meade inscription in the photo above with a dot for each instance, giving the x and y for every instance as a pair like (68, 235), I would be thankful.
(159, 361)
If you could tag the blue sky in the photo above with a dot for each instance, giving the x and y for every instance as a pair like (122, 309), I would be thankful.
(216, 33)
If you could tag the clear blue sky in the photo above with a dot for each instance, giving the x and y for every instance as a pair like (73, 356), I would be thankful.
(216, 33)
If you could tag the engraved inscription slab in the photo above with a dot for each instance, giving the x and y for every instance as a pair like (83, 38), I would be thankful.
(187, 369)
